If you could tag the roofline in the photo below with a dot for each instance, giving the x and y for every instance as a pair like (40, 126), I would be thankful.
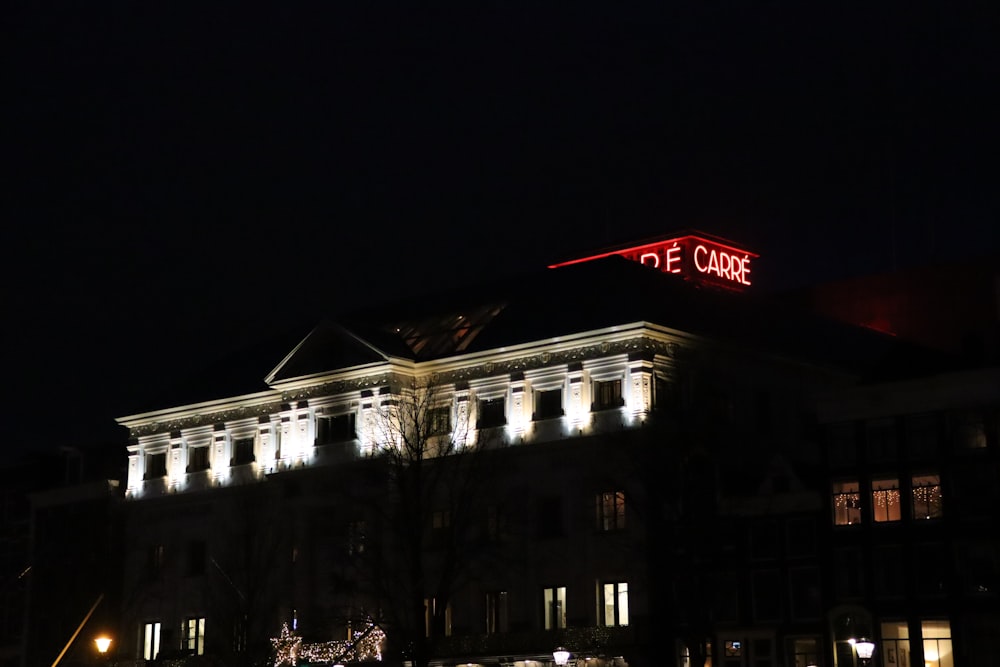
(192, 409)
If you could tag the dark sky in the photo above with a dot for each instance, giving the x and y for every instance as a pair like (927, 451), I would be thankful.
(189, 181)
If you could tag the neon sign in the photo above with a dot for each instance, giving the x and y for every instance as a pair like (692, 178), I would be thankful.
(693, 257)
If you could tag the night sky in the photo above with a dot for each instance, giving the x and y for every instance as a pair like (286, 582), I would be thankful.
(188, 182)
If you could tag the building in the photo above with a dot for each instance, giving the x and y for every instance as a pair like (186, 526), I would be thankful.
(633, 457)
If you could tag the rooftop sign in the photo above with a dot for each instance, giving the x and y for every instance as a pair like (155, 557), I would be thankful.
(693, 257)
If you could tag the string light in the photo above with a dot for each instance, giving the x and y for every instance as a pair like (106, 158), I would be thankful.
(366, 646)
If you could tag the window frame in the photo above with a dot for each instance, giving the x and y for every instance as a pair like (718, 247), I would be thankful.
(618, 606)
(611, 510)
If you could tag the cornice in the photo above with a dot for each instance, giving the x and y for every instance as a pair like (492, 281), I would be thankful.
(637, 337)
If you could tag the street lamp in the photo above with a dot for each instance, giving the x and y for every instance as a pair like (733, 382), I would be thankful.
(561, 656)
(865, 648)
(103, 643)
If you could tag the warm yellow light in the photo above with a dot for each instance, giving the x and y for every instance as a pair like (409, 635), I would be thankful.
(103, 644)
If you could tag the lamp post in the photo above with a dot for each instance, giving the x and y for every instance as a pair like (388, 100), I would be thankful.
(561, 656)
(103, 643)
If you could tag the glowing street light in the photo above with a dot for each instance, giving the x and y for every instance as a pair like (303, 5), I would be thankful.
(865, 648)
(561, 656)
(103, 643)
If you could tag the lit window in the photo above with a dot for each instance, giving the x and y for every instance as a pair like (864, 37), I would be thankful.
(895, 645)
(616, 604)
(492, 413)
(846, 504)
(548, 404)
(685, 657)
(937, 643)
(151, 641)
(804, 651)
(611, 510)
(193, 633)
(885, 499)
(496, 612)
(607, 395)
(926, 496)
(554, 601)
(732, 648)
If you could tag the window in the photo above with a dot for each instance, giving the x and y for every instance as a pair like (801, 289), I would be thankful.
(685, 657)
(765, 540)
(926, 491)
(849, 577)
(197, 459)
(496, 612)
(969, 430)
(434, 619)
(937, 643)
(846, 504)
(193, 634)
(611, 510)
(151, 641)
(355, 538)
(881, 435)
(243, 451)
(549, 517)
(440, 519)
(885, 499)
(922, 433)
(803, 651)
(196, 557)
(548, 404)
(336, 428)
(492, 413)
(767, 593)
(155, 561)
(439, 421)
(156, 465)
(496, 524)
(895, 645)
(887, 570)
(616, 604)
(554, 603)
(801, 534)
(607, 395)
(842, 444)
(806, 598)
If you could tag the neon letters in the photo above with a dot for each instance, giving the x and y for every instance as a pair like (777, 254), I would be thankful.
(722, 264)
(693, 257)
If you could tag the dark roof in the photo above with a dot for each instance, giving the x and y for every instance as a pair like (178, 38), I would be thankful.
(543, 305)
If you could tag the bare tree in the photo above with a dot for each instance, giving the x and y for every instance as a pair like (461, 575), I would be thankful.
(433, 482)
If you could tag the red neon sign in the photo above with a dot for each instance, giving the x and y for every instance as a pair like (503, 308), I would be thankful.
(693, 257)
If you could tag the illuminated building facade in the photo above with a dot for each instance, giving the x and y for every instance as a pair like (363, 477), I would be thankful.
(633, 457)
